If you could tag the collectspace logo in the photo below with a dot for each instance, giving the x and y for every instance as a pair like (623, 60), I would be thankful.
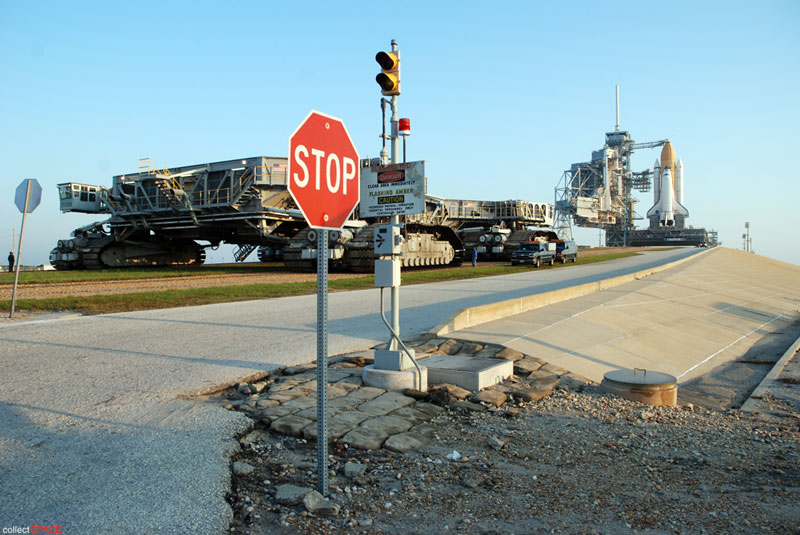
(32, 529)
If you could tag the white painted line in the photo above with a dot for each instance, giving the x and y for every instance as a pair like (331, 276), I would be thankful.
(664, 300)
(553, 324)
(731, 345)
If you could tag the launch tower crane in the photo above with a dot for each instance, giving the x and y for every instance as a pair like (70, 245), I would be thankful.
(598, 193)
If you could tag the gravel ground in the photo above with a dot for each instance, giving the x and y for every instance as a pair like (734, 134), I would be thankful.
(79, 289)
(574, 462)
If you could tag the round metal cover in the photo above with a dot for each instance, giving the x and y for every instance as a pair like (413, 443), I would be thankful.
(638, 376)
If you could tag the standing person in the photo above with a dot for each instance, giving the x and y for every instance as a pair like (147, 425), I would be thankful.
(11, 261)
(474, 257)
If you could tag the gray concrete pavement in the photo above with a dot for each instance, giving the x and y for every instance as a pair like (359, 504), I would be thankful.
(684, 321)
(778, 392)
(96, 437)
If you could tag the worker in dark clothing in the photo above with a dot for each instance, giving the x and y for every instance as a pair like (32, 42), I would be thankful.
(10, 261)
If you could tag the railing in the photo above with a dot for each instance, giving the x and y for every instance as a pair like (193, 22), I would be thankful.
(148, 167)
(497, 210)
(199, 193)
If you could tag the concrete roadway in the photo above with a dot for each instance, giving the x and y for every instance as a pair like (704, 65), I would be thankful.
(684, 321)
(95, 436)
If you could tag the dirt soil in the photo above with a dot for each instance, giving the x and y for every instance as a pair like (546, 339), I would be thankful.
(79, 289)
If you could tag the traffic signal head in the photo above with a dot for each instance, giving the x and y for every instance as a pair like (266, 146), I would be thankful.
(389, 78)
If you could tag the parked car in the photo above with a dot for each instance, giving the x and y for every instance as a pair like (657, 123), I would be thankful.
(566, 250)
(534, 253)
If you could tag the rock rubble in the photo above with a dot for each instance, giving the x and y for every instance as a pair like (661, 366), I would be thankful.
(556, 456)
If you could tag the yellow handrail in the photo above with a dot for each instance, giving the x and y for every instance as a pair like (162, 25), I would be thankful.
(148, 167)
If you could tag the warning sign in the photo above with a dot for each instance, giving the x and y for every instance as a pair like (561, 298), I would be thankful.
(397, 189)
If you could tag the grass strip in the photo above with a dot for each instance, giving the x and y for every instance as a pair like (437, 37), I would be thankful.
(55, 277)
(107, 304)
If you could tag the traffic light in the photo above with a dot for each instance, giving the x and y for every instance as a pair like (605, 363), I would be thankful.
(389, 79)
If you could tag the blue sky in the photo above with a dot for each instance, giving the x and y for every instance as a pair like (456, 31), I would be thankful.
(502, 96)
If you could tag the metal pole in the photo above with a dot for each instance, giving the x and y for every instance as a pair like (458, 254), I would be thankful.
(395, 221)
(17, 263)
(395, 218)
(322, 362)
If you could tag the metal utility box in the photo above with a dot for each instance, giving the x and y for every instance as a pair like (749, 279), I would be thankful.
(387, 274)
(388, 240)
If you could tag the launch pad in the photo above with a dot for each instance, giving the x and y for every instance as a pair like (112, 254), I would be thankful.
(697, 237)
(599, 194)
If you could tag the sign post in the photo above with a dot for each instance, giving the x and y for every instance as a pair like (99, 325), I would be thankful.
(27, 198)
(323, 176)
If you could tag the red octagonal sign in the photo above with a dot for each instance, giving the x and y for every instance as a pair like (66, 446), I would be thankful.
(323, 171)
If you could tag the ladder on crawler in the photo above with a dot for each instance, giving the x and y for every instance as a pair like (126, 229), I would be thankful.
(168, 185)
(165, 181)
(248, 190)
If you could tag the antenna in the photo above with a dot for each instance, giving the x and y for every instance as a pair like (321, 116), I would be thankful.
(616, 128)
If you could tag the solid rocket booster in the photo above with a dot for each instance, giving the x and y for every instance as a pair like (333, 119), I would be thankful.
(656, 180)
(667, 188)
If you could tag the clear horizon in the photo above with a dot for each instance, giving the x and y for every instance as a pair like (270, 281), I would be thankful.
(501, 100)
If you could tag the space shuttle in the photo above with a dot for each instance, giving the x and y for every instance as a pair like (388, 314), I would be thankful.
(668, 210)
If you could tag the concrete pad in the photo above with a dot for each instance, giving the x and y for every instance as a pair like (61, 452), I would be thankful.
(487, 353)
(290, 425)
(555, 370)
(470, 373)
(429, 408)
(684, 321)
(509, 354)
(404, 442)
(337, 390)
(345, 421)
(273, 413)
(490, 397)
(391, 425)
(473, 316)
(412, 415)
(396, 380)
(393, 360)
(365, 439)
(386, 403)
(338, 424)
(364, 394)
(453, 391)
(526, 366)
(302, 402)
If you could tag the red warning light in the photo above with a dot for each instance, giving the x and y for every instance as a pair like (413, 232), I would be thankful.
(404, 128)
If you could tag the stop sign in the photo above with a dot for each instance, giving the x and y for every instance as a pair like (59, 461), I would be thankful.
(34, 198)
(323, 171)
